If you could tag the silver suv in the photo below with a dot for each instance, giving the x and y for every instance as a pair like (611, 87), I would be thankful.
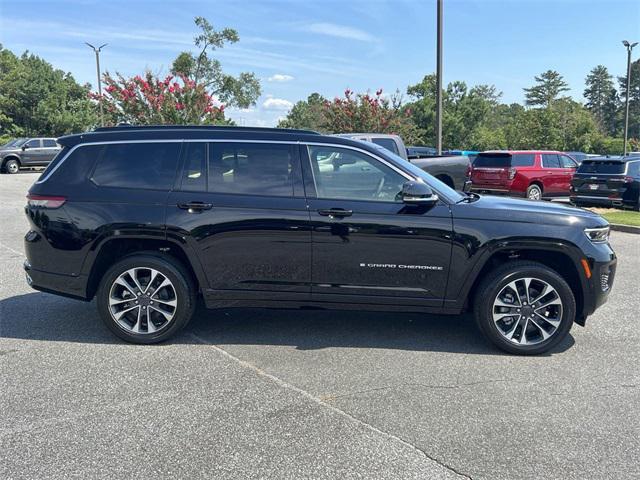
(27, 152)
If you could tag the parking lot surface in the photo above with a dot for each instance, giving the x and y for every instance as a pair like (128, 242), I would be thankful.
(309, 394)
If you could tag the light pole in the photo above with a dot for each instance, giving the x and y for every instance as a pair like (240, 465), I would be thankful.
(97, 52)
(439, 82)
(626, 108)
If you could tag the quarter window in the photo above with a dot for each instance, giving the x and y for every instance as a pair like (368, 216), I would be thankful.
(523, 160)
(550, 160)
(348, 174)
(138, 165)
(252, 168)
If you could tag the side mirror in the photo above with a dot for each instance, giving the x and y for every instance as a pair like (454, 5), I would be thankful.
(418, 193)
(24, 147)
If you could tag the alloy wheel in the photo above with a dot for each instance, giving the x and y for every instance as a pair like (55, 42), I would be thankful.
(12, 167)
(527, 311)
(534, 194)
(142, 301)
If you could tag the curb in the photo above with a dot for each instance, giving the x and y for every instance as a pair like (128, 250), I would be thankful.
(624, 228)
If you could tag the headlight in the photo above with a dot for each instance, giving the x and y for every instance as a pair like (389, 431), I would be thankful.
(597, 235)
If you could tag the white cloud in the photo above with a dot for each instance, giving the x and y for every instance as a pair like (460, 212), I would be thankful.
(339, 31)
(277, 104)
(280, 77)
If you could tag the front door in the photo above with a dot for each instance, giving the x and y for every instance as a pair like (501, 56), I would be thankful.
(368, 245)
(568, 167)
(241, 208)
(32, 152)
(553, 174)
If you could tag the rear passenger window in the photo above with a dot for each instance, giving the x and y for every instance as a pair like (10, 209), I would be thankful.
(138, 165)
(523, 160)
(252, 168)
(194, 170)
(550, 160)
(48, 143)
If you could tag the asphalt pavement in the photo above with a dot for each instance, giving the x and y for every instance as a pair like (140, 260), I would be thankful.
(245, 393)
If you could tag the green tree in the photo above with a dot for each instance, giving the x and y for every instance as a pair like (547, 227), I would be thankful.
(634, 100)
(200, 68)
(549, 85)
(36, 99)
(602, 98)
(306, 114)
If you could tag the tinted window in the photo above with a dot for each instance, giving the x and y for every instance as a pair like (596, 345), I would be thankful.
(347, 174)
(74, 168)
(567, 162)
(523, 160)
(633, 169)
(550, 160)
(35, 143)
(48, 143)
(492, 160)
(387, 143)
(601, 166)
(252, 168)
(194, 170)
(137, 165)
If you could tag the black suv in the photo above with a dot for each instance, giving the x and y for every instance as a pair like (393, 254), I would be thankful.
(149, 219)
(608, 182)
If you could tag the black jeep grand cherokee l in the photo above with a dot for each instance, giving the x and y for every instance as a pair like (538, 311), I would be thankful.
(147, 219)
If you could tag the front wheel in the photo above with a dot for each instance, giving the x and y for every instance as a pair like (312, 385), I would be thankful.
(12, 166)
(146, 298)
(524, 308)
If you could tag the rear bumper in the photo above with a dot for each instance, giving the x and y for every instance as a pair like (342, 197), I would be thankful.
(58, 284)
(598, 200)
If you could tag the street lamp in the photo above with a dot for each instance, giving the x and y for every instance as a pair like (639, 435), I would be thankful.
(626, 112)
(97, 52)
(439, 80)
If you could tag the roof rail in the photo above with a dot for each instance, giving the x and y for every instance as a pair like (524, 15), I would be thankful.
(127, 126)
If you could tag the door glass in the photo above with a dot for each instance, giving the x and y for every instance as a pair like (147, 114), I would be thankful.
(387, 143)
(194, 171)
(342, 173)
(252, 168)
(523, 160)
(35, 143)
(566, 162)
(550, 160)
(48, 143)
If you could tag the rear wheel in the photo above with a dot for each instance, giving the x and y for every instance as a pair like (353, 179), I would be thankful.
(146, 298)
(534, 192)
(524, 308)
(12, 166)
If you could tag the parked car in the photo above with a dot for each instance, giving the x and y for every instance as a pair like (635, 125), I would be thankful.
(452, 170)
(579, 157)
(527, 173)
(148, 219)
(28, 152)
(607, 181)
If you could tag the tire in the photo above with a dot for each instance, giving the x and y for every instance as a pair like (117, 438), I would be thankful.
(555, 319)
(534, 192)
(120, 297)
(11, 166)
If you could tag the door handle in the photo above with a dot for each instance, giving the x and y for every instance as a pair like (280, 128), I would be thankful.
(335, 212)
(195, 207)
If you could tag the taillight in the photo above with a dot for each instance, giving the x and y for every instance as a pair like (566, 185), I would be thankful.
(628, 180)
(512, 173)
(45, 201)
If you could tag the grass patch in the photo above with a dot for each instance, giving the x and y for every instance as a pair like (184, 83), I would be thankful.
(621, 217)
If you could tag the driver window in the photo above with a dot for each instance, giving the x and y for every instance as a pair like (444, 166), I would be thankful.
(342, 173)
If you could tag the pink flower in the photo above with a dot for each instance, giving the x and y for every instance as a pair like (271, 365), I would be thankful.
(179, 106)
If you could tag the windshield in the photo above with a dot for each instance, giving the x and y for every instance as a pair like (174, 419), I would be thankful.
(442, 188)
(600, 166)
(16, 142)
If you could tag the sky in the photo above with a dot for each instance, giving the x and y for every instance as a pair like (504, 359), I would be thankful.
(297, 47)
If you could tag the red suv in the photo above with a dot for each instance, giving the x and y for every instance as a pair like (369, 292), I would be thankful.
(523, 173)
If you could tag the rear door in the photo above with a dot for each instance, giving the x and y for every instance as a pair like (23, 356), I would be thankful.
(240, 206)
(491, 171)
(552, 175)
(49, 150)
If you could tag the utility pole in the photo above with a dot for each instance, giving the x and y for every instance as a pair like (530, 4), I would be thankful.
(626, 109)
(439, 82)
(97, 52)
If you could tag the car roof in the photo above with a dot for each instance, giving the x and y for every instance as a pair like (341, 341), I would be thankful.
(206, 132)
(614, 158)
(368, 134)
(510, 152)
